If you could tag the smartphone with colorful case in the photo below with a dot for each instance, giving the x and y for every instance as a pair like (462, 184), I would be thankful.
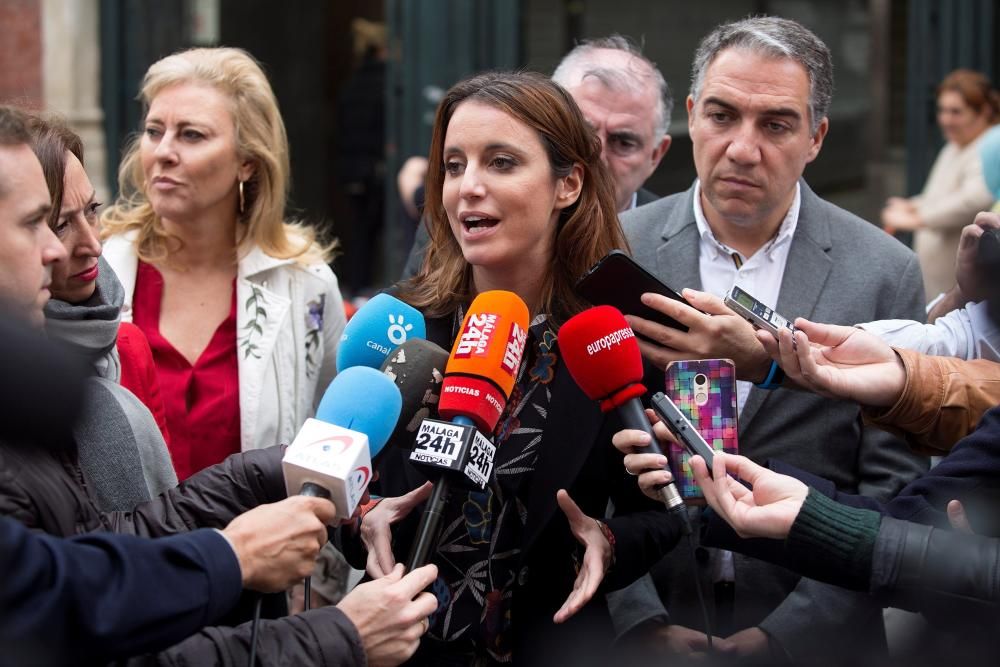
(705, 391)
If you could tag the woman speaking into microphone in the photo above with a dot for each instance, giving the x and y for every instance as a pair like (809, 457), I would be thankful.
(519, 200)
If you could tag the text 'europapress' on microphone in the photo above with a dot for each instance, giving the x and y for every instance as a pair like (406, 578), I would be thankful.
(601, 353)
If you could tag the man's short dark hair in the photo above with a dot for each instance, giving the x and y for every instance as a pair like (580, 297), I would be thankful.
(776, 38)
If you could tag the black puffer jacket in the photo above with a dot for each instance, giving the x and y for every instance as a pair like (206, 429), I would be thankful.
(46, 491)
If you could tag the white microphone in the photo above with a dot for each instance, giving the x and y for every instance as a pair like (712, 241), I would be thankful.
(331, 456)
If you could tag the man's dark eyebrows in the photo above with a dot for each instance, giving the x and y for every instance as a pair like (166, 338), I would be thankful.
(781, 112)
(626, 134)
(719, 103)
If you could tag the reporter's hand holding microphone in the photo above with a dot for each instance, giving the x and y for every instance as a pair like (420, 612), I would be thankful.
(277, 544)
(331, 458)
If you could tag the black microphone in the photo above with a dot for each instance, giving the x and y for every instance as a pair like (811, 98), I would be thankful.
(42, 389)
(417, 368)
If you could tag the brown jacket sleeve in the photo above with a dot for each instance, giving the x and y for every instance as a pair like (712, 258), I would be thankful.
(942, 400)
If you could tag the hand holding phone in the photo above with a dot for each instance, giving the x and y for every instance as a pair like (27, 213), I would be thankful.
(617, 280)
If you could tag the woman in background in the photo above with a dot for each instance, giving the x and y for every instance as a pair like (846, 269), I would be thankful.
(955, 190)
(240, 308)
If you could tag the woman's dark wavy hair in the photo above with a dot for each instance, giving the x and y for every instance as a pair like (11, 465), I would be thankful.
(587, 230)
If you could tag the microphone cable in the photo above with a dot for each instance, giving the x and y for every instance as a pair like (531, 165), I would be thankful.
(315, 491)
(692, 548)
(699, 592)
(253, 631)
(308, 489)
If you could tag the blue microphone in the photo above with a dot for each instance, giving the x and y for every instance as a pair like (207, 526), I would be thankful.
(363, 399)
(379, 327)
(332, 454)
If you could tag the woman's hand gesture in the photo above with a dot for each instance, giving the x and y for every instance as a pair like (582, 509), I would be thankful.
(596, 558)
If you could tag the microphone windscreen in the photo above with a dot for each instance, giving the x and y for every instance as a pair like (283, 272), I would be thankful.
(600, 351)
(362, 399)
(381, 325)
(41, 395)
(483, 364)
(417, 367)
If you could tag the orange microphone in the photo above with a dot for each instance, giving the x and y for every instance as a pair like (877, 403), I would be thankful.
(478, 380)
(483, 364)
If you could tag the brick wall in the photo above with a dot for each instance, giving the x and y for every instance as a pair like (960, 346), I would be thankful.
(21, 53)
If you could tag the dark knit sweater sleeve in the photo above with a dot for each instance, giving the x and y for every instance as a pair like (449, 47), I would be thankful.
(833, 542)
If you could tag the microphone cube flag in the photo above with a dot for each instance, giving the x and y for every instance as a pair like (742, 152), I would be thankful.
(455, 447)
(601, 353)
(483, 364)
(332, 457)
(381, 325)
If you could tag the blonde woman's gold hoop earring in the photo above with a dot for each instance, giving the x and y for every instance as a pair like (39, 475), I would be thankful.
(242, 200)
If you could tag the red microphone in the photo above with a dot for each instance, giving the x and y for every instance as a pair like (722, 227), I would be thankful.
(478, 380)
(601, 353)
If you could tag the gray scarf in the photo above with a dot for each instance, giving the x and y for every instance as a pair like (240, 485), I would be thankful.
(121, 450)
(91, 328)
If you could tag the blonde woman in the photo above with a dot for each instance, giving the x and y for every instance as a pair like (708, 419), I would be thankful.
(240, 308)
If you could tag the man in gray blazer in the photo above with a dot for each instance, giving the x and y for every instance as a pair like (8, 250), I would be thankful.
(757, 116)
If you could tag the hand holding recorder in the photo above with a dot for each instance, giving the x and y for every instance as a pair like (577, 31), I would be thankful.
(649, 463)
(391, 613)
(838, 362)
(714, 331)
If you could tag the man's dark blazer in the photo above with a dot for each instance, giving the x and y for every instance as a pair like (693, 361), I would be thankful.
(840, 270)
(92, 598)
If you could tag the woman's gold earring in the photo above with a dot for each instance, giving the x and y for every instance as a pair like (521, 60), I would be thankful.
(242, 200)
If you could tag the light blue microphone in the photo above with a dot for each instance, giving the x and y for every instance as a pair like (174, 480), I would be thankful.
(378, 328)
(365, 400)
(360, 399)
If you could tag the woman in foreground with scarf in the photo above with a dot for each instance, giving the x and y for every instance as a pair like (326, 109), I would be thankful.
(121, 443)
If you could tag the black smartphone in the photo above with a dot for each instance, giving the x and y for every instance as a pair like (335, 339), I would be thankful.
(617, 280)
